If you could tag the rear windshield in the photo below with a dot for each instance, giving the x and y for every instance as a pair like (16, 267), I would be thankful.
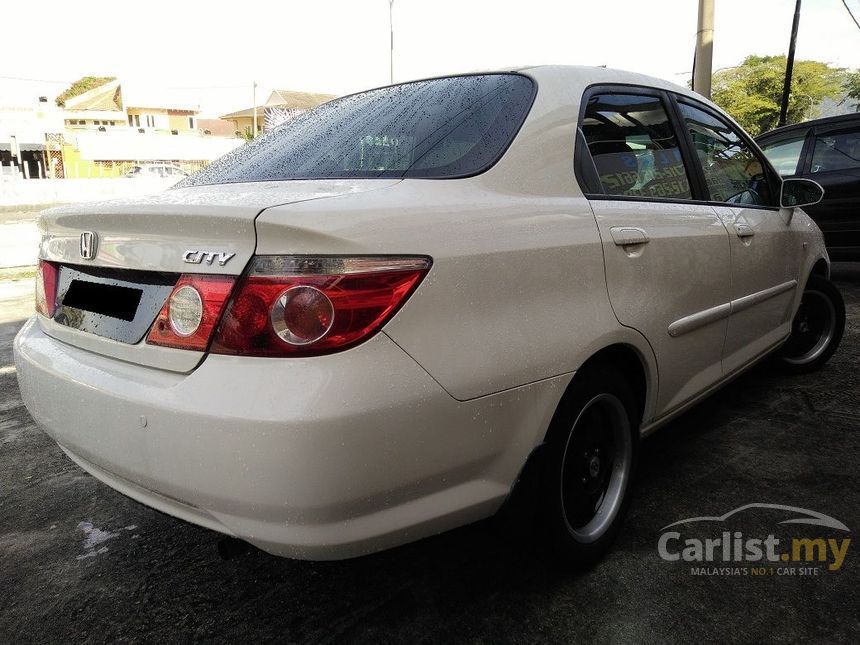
(442, 128)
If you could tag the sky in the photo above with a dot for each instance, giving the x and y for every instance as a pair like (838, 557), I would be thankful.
(210, 53)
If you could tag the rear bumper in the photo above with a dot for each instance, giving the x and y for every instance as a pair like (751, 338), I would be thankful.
(320, 458)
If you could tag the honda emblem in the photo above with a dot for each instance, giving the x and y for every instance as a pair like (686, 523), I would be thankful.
(89, 244)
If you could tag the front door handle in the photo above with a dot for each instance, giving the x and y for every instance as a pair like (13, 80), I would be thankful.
(628, 235)
(744, 230)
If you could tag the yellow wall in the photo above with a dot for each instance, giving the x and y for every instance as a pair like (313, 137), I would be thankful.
(176, 119)
(243, 123)
(76, 167)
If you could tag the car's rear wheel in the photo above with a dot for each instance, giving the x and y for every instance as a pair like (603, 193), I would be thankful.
(592, 448)
(817, 328)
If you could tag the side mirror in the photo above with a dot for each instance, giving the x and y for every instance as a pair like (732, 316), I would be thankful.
(800, 192)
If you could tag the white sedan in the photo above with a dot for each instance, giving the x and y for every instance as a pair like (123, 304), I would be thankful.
(400, 310)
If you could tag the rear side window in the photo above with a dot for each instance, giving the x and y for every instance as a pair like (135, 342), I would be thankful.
(733, 172)
(838, 151)
(442, 128)
(633, 147)
(785, 154)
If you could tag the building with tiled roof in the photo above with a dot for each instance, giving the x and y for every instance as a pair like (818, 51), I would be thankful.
(281, 106)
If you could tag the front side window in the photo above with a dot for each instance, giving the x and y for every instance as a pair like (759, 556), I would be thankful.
(733, 173)
(838, 151)
(785, 154)
(633, 147)
(441, 128)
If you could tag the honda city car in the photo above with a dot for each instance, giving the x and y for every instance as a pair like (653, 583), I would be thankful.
(399, 311)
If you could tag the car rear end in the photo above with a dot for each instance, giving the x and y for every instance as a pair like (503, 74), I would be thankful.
(253, 393)
(113, 364)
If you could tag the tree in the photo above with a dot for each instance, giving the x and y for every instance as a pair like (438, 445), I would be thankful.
(84, 84)
(752, 91)
(852, 86)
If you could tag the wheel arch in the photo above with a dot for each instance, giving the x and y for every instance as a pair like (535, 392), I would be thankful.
(821, 268)
(631, 365)
(634, 359)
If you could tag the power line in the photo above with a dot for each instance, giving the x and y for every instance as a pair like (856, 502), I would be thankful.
(851, 13)
(33, 80)
(172, 87)
(205, 87)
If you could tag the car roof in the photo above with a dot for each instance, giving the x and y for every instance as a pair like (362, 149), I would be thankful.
(590, 75)
(577, 76)
(804, 125)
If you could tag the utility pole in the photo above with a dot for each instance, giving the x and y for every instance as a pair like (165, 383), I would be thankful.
(789, 67)
(391, 41)
(254, 90)
(703, 60)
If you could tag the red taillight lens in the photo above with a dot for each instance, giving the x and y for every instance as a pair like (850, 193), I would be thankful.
(305, 306)
(302, 315)
(46, 288)
(189, 316)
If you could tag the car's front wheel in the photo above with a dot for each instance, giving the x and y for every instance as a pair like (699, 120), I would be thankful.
(592, 447)
(817, 328)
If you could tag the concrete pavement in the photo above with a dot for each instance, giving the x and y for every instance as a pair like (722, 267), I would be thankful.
(19, 238)
(80, 561)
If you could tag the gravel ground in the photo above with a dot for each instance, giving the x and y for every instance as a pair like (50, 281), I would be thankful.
(80, 561)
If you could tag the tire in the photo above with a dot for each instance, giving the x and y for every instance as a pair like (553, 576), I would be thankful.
(816, 330)
(592, 446)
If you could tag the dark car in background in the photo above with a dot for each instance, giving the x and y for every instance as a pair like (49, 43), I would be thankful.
(827, 151)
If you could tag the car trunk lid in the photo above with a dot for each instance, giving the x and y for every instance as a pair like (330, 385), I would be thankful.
(118, 260)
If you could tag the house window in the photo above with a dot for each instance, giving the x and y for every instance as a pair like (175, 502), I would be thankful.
(97, 122)
(137, 120)
(130, 121)
(191, 122)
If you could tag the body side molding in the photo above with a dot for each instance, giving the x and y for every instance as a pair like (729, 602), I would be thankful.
(713, 314)
(700, 319)
(760, 296)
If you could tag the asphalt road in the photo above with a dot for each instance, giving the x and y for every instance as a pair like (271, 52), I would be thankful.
(79, 561)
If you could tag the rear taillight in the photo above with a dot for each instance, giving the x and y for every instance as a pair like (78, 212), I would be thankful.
(189, 316)
(305, 306)
(46, 288)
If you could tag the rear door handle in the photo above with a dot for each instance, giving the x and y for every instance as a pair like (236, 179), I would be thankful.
(628, 235)
(744, 230)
